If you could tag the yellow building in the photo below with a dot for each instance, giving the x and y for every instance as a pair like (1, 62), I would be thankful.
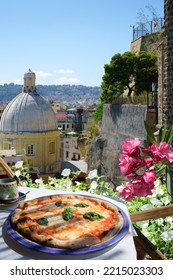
(28, 125)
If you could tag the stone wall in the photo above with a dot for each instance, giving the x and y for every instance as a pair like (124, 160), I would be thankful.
(148, 43)
(168, 64)
(160, 80)
(119, 123)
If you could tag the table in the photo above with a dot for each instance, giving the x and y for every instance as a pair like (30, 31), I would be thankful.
(11, 250)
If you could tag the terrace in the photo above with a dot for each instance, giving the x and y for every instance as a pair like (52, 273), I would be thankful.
(149, 27)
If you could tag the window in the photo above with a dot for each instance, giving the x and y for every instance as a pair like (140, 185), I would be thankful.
(67, 145)
(73, 144)
(30, 149)
(52, 147)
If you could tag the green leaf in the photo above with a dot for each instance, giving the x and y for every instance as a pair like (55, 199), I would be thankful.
(81, 205)
(149, 133)
(163, 133)
(58, 203)
(67, 213)
(42, 221)
(92, 216)
(160, 170)
(170, 136)
(67, 216)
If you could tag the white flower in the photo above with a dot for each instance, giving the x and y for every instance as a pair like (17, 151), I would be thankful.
(157, 188)
(167, 235)
(40, 183)
(68, 184)
(157, 183)
(169, 220)
(19, 164)
(165, 200)
(156, 202)
(105, 193)
(143, 224)
(157, 191)
(146, 206)
(92, 174)
(51, 183)
(159, 221)
(17, 173)
(151, 167)
(119, 188)
(66, 172)
(93, 186)
(78, 183)
(24, 183)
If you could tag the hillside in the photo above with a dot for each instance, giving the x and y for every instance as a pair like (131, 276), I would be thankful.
(66, 94)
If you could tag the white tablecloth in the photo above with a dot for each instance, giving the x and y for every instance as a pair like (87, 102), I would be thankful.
(10, 249)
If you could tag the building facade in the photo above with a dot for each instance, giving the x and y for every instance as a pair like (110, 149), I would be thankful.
(28, 124)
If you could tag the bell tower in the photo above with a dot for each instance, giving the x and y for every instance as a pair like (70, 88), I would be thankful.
(29, 81)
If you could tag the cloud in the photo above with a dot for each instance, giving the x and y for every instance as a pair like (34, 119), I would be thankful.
(65, 71)
(41, 74)
(68, 81)
(65, 79)
(18, 82)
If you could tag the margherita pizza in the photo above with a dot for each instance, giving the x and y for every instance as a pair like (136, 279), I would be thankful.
(67, 220)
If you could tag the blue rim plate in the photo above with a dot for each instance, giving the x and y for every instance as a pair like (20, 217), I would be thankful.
(55, 251)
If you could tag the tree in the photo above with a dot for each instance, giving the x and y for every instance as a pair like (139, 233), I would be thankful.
(130, 72)
(143, 17)
(99, 112)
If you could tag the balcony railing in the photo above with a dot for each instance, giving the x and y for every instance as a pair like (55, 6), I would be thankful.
(147, 28)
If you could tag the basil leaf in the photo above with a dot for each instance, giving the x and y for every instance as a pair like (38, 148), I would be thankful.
(42, 221)
(58, 203)
(67, 216)
(92, 216)
(81, 205)
(67, 213)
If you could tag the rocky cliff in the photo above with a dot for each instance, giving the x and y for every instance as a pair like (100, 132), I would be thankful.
(119, 123)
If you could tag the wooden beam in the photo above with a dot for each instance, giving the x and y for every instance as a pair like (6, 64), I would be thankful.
(155, 213)
(144, 246)
(9, 171)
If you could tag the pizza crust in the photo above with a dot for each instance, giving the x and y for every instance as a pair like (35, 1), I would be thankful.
(86, 232)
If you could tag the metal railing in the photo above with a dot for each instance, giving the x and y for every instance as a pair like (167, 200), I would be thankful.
(147, 28)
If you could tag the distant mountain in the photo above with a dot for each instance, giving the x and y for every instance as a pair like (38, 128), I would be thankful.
(67, 94)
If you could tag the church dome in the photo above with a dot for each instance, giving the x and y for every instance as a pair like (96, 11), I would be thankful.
(28, 112)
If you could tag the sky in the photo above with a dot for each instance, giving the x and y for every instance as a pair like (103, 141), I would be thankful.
(66, 41)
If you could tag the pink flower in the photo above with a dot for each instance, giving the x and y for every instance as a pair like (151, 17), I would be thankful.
(148, 162)
(149, 177)
(127, 193)
(146, 150)
(138, 188)
(142, 189)
(131, 147)
(162, 152)
(140, 170)
(128, 165)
